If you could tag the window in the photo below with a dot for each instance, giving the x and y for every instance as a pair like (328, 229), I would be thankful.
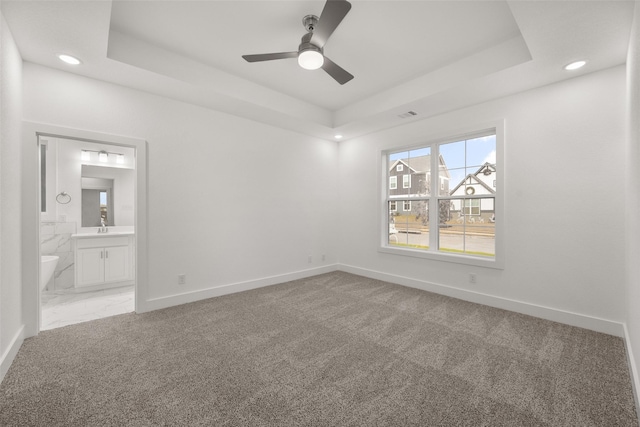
(43, 176)
(472, 206)
(464, 207)
(393, 182)
(400, 167)
(104, 205)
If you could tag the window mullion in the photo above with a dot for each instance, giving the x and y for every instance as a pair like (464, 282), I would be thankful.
(434, 188)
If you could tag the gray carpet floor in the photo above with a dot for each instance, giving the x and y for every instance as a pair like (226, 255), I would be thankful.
(331, 350)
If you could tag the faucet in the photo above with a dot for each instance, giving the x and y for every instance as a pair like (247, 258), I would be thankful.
(104, 228)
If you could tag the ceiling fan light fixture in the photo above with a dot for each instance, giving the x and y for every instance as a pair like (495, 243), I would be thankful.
(310, 52)
(310, 59)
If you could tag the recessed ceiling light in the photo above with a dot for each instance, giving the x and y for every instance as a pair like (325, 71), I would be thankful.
(71, 60)
(575, 65)
(337, 136)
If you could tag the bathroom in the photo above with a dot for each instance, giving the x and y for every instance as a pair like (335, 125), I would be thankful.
(87, 236)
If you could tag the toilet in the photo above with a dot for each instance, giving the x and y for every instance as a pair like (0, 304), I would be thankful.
(47, 267)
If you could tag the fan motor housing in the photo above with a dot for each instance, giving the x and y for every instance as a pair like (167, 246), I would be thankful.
(310, 22)
(305, 44)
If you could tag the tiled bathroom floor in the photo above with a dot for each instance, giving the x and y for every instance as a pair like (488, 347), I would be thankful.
(68, 309)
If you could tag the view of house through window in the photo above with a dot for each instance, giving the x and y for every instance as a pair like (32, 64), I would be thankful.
(461, 202)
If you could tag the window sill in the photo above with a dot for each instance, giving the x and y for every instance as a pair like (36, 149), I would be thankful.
(445, 257)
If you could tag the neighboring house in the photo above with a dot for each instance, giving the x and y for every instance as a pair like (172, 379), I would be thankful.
(409, 178)
(482, 182)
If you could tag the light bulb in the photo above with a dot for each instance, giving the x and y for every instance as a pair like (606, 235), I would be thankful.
(575, 65)
(310, 59)
(86, 156)
(103, 156)
(120, 159)
(71, 60)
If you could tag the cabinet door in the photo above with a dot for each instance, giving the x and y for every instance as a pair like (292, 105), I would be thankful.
(116, 264)
(90, 268)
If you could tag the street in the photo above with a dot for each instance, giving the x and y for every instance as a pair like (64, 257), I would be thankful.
(449, 240)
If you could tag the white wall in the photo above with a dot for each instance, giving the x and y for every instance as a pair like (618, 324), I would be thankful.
(10, 198)
(229, 200)
(633, 198)
(564, 171)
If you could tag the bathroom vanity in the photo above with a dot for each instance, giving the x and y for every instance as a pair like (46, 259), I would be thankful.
(104, 259)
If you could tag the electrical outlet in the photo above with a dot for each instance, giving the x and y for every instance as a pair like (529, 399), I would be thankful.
(472, 278)
(310, 259)
(182, 279)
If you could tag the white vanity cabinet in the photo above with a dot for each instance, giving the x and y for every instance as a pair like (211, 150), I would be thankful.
(104, 259)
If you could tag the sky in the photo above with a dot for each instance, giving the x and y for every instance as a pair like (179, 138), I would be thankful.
(461, 157)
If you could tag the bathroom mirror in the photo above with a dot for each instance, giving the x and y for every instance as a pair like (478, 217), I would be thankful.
(107, 194)
(97, 202)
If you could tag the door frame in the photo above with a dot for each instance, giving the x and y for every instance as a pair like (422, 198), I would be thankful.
(31, 133)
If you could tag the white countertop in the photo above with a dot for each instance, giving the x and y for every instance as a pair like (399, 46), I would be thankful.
(107, 234)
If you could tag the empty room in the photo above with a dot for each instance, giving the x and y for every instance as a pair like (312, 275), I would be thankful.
(323, 212)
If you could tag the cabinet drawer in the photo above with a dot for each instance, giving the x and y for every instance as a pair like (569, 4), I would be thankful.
(102, 242)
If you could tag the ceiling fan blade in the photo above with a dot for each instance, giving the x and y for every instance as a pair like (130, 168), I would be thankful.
(337, 72)
(269, 56)
(332, 15)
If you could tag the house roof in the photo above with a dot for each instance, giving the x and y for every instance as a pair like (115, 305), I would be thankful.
(420, 164)
(416, 164)
(475, 178)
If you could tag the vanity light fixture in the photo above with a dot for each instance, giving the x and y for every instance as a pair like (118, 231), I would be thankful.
(575, 65)
(103, 156)
(71, 60)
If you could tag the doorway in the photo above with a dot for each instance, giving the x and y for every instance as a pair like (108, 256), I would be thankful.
(87, 232)
(58, 222)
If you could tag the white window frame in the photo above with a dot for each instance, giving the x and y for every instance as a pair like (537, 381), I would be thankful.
(393, 182)
(406, 181)
(406, 203)
(399, 167)
(393, 206)
(434, 141)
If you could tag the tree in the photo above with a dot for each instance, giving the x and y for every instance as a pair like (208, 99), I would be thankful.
(422, 206)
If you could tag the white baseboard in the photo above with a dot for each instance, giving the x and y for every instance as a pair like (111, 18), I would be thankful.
(11, 352)
(555, 315)
(633, 371)
(187, 297)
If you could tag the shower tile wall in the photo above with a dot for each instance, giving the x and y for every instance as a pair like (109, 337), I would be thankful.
(55, 239)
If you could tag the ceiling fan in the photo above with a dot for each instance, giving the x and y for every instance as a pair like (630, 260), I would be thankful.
(310, 53)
